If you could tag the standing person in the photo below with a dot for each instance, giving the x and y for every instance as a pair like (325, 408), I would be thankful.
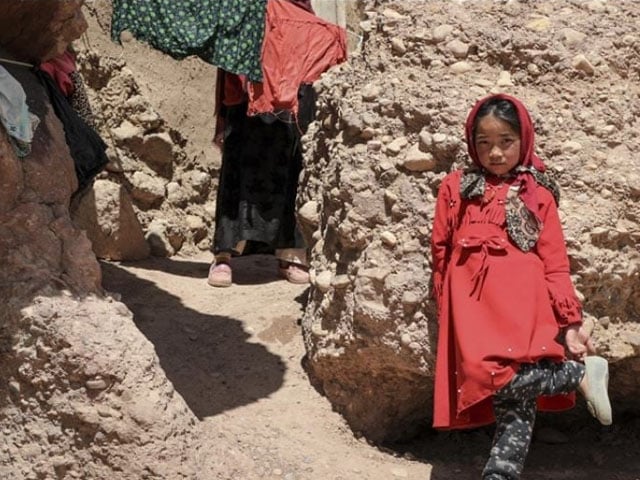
(259, 128)
(261, 163)
(511, 338)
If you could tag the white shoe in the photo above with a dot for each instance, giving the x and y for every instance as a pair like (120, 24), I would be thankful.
(596, 395)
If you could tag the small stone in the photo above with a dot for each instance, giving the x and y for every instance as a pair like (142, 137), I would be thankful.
(367, 26)
(604, 321)
(441, 32)
(539, 24)
(398, 46)
(308, 213)
(96, 384)
(572, 37)
(14, 387)
(323, 281)
(571, 147)
(391, 14)
(374, 145)
(418, 161)
(126, 36)
(396, 146)
(439, 138)
(410, 298)
(340, 281)
(504, 79)
(390, 197)
(388, 238)
(367, 133)
(460, 68)
(633, 339)
(405, 338)
(126, 131)
(581, 63)
(458, 49)
(318, 331)
(424, 140)
(371, 92)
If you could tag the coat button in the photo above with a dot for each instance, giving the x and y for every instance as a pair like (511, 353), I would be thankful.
(544, 348)
(509, 349)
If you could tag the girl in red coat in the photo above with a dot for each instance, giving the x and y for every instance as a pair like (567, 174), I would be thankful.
(508, 313)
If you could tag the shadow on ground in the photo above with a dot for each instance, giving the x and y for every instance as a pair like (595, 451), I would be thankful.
(590, 451)
(206, 357)
(254, 269)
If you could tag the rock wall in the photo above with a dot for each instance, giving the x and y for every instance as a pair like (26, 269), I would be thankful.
(389, 128)
(157, 194)
(80, 387)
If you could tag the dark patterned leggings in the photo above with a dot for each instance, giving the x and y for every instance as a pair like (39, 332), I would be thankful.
(515, 410)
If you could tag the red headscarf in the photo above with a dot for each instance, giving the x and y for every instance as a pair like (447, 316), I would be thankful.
(528, 158)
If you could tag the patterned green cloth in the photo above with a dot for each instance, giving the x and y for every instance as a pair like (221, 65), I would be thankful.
(225, 33)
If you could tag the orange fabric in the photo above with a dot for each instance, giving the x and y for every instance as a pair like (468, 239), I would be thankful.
(297, 48)
(498, 306)
(59, 69)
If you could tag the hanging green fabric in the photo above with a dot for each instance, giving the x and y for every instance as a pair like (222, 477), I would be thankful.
(225, 33)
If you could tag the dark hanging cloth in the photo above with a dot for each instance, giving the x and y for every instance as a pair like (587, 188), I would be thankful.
(258, 185)
(225, 33)
(86, 147)
(306, 4)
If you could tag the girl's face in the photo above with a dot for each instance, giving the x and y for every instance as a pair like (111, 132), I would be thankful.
(497, 144)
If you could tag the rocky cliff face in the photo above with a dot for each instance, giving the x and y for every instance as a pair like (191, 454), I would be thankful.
(80, 386)
(390, 127)
(157, 193)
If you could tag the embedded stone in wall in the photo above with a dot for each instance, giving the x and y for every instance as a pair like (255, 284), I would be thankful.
(106, 214)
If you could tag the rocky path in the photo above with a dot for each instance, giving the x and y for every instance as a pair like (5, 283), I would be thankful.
(235, 357)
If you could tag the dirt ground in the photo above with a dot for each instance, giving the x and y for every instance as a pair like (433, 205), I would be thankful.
(236, 357)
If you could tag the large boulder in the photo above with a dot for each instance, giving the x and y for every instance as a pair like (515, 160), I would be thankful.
(82, 394)
(390, 127)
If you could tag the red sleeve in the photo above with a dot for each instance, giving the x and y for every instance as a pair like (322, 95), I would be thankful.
(447, 205)
(551, 248)
(234, 91)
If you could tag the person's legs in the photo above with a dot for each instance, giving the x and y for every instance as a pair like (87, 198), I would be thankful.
(514, 427)
(515, 411)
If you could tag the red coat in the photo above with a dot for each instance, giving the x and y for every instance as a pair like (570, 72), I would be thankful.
(498, 306)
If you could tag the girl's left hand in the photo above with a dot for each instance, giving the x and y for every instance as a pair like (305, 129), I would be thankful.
(578, 341)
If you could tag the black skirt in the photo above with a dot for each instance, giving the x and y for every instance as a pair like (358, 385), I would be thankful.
(261, 163)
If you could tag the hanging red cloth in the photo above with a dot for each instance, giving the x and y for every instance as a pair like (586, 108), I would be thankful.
(60, 69)
(297, 48)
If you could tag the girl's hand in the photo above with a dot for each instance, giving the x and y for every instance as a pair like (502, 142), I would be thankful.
(578, 341)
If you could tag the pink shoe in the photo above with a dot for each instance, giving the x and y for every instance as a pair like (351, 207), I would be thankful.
(219, 275)
(293, 272)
